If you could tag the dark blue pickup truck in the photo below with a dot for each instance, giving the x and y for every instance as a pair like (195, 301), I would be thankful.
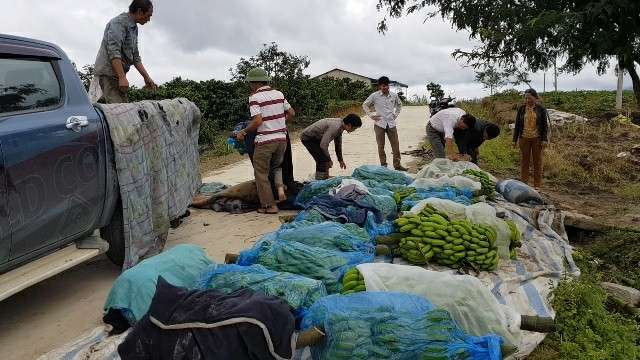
(57, 179)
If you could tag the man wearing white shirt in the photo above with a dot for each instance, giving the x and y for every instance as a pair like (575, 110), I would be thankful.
(441, 127)
(387, 106)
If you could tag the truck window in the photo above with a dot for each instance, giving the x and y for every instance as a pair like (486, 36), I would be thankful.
(28, 85)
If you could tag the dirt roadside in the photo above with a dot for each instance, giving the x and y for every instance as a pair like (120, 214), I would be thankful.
(64, 307)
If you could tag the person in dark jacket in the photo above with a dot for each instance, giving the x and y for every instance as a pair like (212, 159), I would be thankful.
(469, 140)
(531, 134)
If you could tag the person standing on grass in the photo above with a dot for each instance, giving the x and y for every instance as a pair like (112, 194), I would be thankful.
(269, 112)
(441, 128)
(387, 106)
(469, 140)
(531, 134)
(119, 51)
(317, 136)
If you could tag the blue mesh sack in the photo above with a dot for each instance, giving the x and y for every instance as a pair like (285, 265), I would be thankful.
(389, 325)
(298, 291)
(330, 236)
(381, 174)
(386, 205)
(374, 229)
(382, 187)
(314, 188)
(313, 262)
(449, 193)
(309, 216)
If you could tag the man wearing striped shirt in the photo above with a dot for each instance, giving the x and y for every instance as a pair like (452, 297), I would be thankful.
(269, 112)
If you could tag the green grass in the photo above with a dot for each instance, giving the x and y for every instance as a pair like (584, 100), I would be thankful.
(629, 192)
(497, 155)
(588, 325)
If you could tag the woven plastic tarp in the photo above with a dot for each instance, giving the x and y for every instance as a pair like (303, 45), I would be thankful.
(317, 263)
(390, 325)
(298, 291)
(381, 174)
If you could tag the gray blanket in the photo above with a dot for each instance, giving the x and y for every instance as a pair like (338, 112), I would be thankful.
(156, 157)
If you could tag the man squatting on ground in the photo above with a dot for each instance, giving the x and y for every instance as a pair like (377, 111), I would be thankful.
(269, 113)
(440, 131)
(317, 136)
(387, 106)
(119, 50)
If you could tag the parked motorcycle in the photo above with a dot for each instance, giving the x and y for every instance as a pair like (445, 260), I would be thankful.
(437, 104)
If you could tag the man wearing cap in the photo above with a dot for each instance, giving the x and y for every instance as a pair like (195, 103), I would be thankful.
(269, 112)
(119, 51)
(387, 106)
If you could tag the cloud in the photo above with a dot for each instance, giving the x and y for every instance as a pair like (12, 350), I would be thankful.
(201, 39)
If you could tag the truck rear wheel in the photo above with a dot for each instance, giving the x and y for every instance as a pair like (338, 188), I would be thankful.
(113, 233)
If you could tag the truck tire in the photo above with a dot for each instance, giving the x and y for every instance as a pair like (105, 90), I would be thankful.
(113, 233)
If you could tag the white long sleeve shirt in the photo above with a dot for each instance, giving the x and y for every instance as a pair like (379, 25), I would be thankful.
(444, 121)
(388, 107)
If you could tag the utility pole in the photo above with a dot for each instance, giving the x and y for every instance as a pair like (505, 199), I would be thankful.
(620, 71)
(555, 75)
(544, 82)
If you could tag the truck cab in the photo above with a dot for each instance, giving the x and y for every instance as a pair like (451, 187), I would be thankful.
(57, 181)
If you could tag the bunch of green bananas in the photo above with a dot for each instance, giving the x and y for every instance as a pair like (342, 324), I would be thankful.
(516, 238)
(488, 186)
(400, 195)
(352, 282)
(431, 237)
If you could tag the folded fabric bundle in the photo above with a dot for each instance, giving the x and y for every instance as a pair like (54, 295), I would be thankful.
(195, 324)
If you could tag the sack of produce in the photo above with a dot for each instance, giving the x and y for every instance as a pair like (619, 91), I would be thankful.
(459, 182)
(313, 262)
(444, 167)
(485, 214)
(488, 185)
(389, 325)
(314, 188)
(330, 236)
(298, 291)
(431, 237)
(412, 198)
(518, 192)
(381, 174)
(460, 295)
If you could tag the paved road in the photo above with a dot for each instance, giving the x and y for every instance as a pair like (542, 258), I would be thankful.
(64, 307)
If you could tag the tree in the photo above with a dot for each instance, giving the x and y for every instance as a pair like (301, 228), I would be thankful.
(279, 64)
(538, 32)
(492, 79)
(435, 90)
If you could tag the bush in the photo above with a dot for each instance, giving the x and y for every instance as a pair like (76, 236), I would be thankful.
(223, 104)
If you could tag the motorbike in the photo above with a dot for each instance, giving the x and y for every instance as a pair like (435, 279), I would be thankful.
(437, 104)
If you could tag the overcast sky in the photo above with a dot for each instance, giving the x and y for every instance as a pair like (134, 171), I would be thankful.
(200, 39)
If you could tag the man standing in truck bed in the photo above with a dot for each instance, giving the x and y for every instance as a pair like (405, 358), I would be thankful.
(119, 51)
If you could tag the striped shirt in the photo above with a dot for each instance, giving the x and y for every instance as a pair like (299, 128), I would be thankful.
(272, 105)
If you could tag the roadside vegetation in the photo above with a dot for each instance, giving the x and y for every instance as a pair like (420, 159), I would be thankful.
(582, 171)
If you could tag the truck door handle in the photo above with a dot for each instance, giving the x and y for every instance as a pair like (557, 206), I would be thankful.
(76, 123)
